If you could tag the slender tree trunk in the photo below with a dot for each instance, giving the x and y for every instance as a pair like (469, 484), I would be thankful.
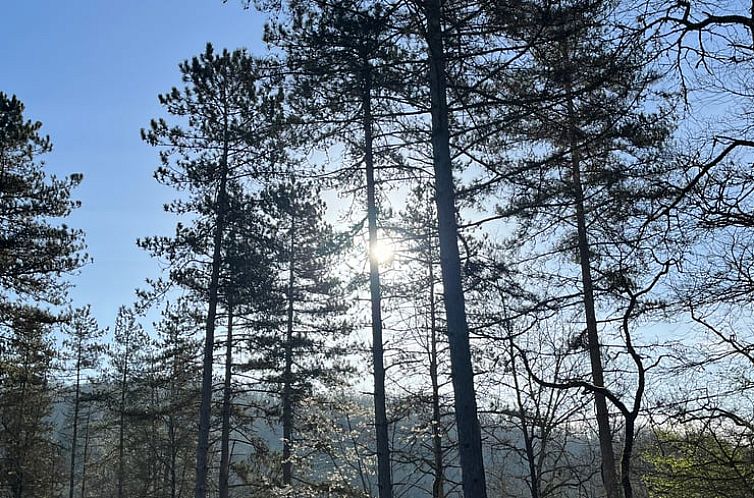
(469, 433)
(18, 455)
(155, 460)
(630, 417)
(225, 432)
(287, 373)
(628, 449)
(438, 490)
(384, 479)
(202, 447)
(74, 437)
(609, 475)
(122, 425)
(528, 443)
(166, 474)
(173, 456)
(86, 453)
(173, 445)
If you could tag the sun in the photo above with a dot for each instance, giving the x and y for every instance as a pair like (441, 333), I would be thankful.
(382, 251)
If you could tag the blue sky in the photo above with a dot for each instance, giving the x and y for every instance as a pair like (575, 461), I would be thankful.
(91, 71)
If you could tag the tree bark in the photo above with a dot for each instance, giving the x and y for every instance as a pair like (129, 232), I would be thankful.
(469, 433)
(528, 443)
(86, 453)
(609, 475)
(225, 431)
(173, 457)
(384, 478)
(122, 421)
(437, 453)
(74, 437)
(628, 449)
(18, 456)
(202, 447)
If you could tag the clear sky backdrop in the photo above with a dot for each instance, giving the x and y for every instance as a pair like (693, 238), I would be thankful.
(91, 71)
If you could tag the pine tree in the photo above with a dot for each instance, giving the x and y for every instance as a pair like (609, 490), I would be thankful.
(231, 132)
(342, 57)
(248, 275)
(422, 341)
(467, 420)
(600, 169)
(127, 360)
(34, 252)
(308, 351)
(29, 458)
(83, 347)
(178, 374)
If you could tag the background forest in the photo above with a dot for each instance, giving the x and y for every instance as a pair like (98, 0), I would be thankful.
(418, 248)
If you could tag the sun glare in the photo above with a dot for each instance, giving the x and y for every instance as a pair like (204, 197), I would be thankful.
(382, 251)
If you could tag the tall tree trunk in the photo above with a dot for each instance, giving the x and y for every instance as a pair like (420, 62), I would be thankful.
(225, 432)
(202, 447)
(171, 429)
(287, 373)
(528, 443)
(469, 433)
(631, 416)
(438, 490)
(628, 449)
(18, 455)
(74, 437)
(122, 424)
(384, 479)
(173, 456)
(154, 457)
(86, 453)
(609, 475)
